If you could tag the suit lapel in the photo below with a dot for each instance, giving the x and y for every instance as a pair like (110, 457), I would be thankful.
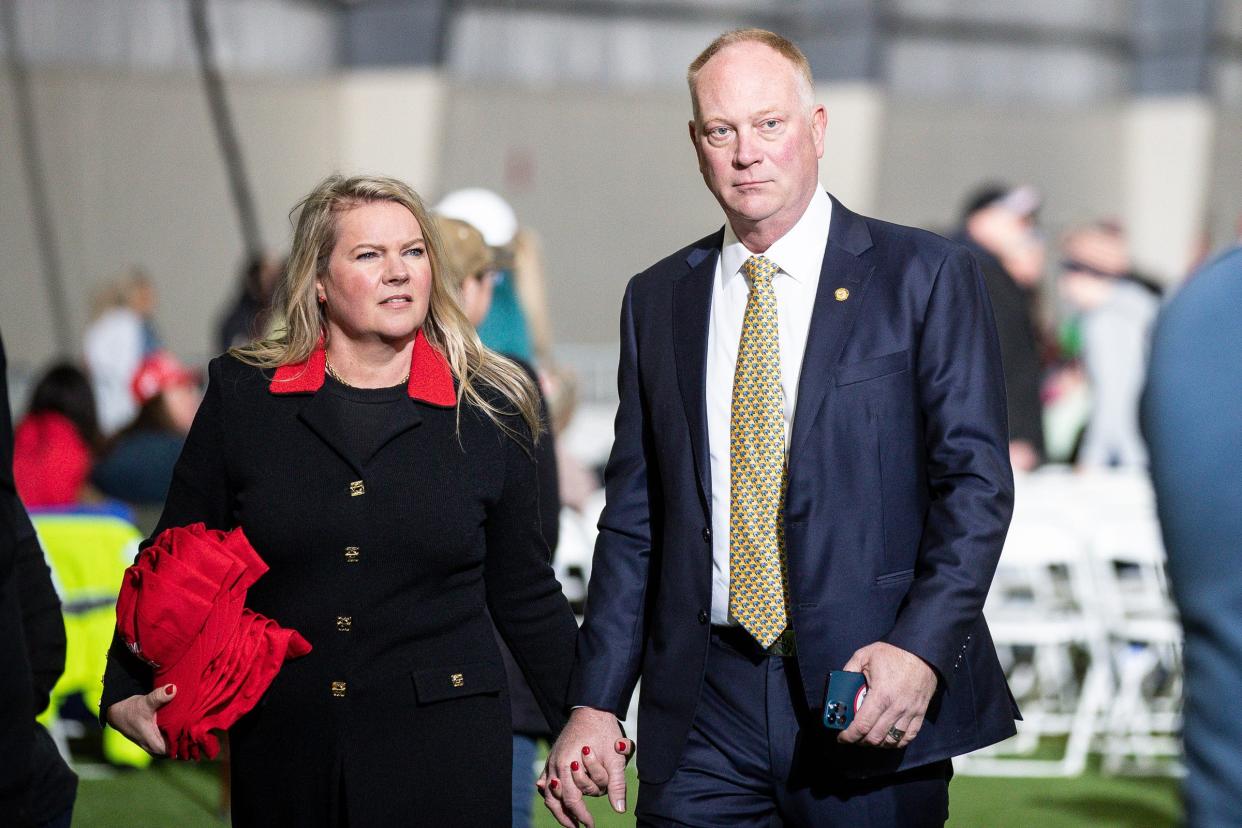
(692, 304)
(831, 319)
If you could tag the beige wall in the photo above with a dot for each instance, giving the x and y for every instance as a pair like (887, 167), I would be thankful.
(1167, 162)
(1225, 204)
(608, 178)
(135, 177)
(934, 155)
(610, 182)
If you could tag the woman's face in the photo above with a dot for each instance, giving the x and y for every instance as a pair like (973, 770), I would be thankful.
(378, 284)
(181, 403)
(476, 296)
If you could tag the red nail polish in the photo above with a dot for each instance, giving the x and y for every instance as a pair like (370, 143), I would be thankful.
(620, 746)
(554, 784)
(573, 766)
(586, 750)
(169, 688)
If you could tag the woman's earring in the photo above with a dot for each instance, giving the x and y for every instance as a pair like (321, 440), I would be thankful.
(322, 298)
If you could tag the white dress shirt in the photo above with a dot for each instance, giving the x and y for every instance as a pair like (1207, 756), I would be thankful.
(800, 255)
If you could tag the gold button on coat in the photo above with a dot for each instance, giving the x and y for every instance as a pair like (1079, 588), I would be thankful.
(338, 689)
(351, 554)
(344, 622)
(356, 488)
(458, 680)
(842, 294)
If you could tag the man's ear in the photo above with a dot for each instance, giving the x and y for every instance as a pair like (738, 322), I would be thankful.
(819, 125)
(694, 134)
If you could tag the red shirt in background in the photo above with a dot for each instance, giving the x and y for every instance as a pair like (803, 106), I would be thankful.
(51, 461)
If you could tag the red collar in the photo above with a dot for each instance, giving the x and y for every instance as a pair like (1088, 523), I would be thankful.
(431, 378)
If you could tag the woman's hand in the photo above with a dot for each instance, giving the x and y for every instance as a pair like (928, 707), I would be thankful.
(135, 718)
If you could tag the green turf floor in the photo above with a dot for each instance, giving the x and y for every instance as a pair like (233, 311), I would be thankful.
(186, 796)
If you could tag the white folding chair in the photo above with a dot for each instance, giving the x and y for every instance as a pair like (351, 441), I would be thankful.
(1142, 731)
(1043, 619)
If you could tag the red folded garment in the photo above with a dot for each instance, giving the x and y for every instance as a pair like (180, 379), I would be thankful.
(182, 610)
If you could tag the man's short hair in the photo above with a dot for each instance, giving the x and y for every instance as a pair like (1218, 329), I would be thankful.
(783, 46)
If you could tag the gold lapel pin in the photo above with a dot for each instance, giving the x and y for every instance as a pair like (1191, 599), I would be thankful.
(842, 294)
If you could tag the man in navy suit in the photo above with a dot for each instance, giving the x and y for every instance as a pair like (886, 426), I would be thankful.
(810, 473)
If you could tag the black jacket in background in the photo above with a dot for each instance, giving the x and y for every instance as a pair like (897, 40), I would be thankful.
(35, 783)
(528, 719)
(1013, 308)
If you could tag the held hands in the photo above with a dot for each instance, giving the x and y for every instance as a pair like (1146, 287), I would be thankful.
(135, 718)
(900, 686)
(588, 759)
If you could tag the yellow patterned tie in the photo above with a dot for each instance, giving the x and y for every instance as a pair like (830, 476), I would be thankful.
(758, 575)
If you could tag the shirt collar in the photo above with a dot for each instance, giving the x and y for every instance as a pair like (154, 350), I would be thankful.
(431, 378)
(799, 253)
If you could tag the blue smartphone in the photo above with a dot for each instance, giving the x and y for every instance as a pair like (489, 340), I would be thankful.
(846, 691)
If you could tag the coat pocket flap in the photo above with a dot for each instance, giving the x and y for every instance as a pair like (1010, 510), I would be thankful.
(435, 684)
(873, 368)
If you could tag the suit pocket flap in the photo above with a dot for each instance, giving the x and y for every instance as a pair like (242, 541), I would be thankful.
(456, 681)
(872, 368)
(898, 577)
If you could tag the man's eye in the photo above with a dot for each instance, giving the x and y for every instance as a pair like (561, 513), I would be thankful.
(367, 254)
(771, 123)
(718, 132)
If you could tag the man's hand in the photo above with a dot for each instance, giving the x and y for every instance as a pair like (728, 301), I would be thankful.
(589, 758)
(135, 719)
(900, 685)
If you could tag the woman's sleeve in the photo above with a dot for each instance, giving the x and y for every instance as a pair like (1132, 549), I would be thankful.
(523, 595)
(199, 491)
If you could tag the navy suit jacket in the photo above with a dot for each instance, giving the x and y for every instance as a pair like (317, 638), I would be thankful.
(899, 493)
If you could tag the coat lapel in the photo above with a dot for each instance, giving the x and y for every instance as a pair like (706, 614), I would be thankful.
(692, 304)
(831, 319)
(431, 382)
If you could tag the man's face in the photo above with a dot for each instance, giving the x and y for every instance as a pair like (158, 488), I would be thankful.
(758, 140)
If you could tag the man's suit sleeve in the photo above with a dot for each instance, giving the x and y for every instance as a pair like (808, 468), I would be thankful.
(610, 643)
(962, 397)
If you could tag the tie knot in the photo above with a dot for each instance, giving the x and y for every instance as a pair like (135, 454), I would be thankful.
(760, 270)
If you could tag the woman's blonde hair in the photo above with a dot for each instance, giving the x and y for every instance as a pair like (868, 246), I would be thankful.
(446, 327)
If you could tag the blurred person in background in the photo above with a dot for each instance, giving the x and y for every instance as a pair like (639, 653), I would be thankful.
(507, 326)
(380, 461)
(1115, 310)
(247, 318)
(575, 481)
(1192, 419)
(136, 465)
(998, 225)
(119, 336)
(530, 282)
(56, 441)
(472, 272)
(37, 788)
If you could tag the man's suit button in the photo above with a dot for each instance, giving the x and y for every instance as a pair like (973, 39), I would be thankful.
(702, 616)
(707, 535)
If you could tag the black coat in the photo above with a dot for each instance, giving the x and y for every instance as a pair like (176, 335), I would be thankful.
(35, 783)
(1014, 309)
(412, 545)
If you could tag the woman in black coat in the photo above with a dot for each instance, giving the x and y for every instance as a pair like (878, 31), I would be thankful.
(379, 460)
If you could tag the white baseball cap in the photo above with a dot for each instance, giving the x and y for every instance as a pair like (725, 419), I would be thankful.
(490, 214)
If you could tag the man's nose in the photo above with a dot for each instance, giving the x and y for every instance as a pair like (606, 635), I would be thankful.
(746, 150)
